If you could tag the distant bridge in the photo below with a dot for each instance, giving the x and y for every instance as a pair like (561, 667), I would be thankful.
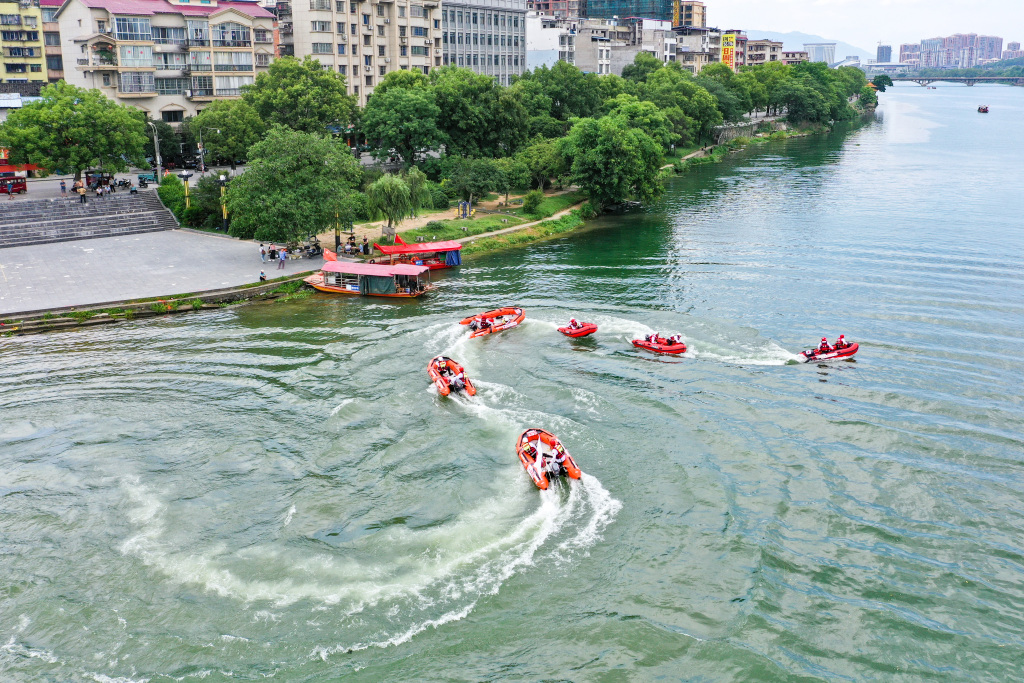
(966, 80)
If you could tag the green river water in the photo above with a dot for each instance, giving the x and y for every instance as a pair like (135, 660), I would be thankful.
(276, 491)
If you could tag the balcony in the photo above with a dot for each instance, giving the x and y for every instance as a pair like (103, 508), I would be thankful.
(137, 91)
(52, 50)
(233, 67)
(199, 67)
(286, 29)
(197, 42)
(96, 64)
(199, 94)
(168, 45)
(232, 43)
(229, 92)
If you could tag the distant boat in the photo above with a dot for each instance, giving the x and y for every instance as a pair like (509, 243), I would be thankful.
(983, 109)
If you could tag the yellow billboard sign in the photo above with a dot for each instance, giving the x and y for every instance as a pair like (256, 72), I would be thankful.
(729, 50)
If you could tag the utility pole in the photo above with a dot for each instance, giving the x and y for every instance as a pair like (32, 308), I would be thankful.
(156, 147)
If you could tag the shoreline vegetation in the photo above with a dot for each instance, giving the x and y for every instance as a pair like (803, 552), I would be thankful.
(564, 212)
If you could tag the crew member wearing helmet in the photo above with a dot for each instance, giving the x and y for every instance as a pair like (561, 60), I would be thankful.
(824, 347)
(574, 325)
(841, 342)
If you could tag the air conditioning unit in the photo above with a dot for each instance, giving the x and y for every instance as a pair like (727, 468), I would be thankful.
(428, 42)
(402, 40)
(387, 60)
(387, 21)
(367, 68)
(188, 93)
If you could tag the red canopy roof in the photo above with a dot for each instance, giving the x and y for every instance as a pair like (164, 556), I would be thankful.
(371, 269)
(421, 248)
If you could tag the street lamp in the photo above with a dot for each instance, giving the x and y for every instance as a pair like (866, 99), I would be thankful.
(223, 205)
(185, 175)
(202, 150)
(156, 147)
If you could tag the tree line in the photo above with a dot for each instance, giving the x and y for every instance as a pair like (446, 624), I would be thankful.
(454, 133)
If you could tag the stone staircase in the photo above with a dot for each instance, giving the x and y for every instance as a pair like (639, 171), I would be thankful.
(37, 221)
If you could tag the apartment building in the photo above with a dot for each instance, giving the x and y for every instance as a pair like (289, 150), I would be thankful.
(910, 54)
(821, 52)
(549, 40)
(689, 13)
(51, 40)
(793, 58)
(560, 9)
(166, 57)
(697, 47)
(1012, 51)
(21, 42)
(362, 41)
(487, 36)
(614, 9)
(734, 49)
(763, 51)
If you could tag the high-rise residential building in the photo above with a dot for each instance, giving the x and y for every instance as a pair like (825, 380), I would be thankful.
(698, 46)
(1012, 51)
(166, 58)
(487, 38)
(763, 51)
(960, 51)
(689, 13)
(51, 40)
(612, 9)
(821, 52)
(910, 54)
(362, 41)
(21, 42)
(884, 54)
(793, 58)
(560, 9)
(989, 47)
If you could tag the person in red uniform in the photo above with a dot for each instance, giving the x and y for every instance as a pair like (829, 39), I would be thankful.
(824, 347)
(841, 342)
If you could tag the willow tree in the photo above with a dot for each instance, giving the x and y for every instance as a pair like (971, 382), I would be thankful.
(390, 196)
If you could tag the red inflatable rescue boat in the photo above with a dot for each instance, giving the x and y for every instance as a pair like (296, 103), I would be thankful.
(583, 330)
(449, 376)
(660, 345)
(815, 356)
(498, 320)
(534, 444)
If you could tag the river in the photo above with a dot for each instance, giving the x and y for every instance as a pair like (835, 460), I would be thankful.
(276, 491)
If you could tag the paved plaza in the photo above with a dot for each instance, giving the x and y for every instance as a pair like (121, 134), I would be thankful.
(130, 267)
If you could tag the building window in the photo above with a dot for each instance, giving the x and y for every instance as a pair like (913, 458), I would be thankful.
(262, 59)
(419, 51)
(341, 27)
(262, 35)
(369, 81)
(437, 24)
(366, 20)
(380, 30)
(198, 32)
(55, 63)
(133, 28)
(320, 5)
(403, 51)
(321, 48)
(136, 55)
(231, 86)
(35, 68)
(339, 6)
(169, 61)
(353, 31)
(367, 60)
(231, 34)
(320, 26)
(232, 61)
(380, 10)
(416, 11)
(174, 116)
(355, 89)
(351, 8)
(137, 82)
(106, 80)
(419, 31)
(341, 48)
(366, 41)
(199, 61)
(48, 14)
(380, 50)
(343, 69)
(383, 70)
(401, 11)
(51, 39)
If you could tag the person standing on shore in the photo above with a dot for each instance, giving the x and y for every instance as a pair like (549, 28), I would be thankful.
(263, 253)
(63, 189)
(281, 256)
(10, 190)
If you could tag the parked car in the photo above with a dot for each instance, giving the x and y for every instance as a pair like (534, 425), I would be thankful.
(149, 177)
(18, 185)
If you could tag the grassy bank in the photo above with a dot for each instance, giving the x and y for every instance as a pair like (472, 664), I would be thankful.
(544, 230)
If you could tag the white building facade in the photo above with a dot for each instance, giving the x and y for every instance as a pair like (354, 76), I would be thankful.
(166, 58)
(488, 36)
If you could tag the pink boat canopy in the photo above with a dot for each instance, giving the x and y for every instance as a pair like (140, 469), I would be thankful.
(372, 269)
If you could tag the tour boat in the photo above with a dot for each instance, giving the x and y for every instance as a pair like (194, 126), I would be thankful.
(583, 330)
(433, 255)
(454, 380)
(368, 279)
(498, 320)
(814, 356)
(537, 442)
(660, 345)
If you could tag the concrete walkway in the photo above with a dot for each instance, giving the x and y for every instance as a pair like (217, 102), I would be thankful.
(96, 271)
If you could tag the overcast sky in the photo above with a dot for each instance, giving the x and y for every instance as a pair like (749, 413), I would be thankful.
(865, 22)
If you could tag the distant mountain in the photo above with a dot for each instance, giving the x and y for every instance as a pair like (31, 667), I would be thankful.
(794, 42)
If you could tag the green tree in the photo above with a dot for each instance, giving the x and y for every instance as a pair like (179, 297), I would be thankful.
(295, 185)
(473, 178)
(881, 81)
(465, 100)
(644, 64)
(390, 196)
(691, 108)
(404, 79)
(512, 174)
(613, 162)
(542, 161)
(169, 148)
(74, 129)
(868, 97)
(646, 116)
(302, 96)
(572, 92)
(402, 119)
(230, 128)
(419, 193)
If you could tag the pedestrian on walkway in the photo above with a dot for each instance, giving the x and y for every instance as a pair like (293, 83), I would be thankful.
(281, 255)
(63, 189)
(10, 190)
(263, 253)
(81, 194)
